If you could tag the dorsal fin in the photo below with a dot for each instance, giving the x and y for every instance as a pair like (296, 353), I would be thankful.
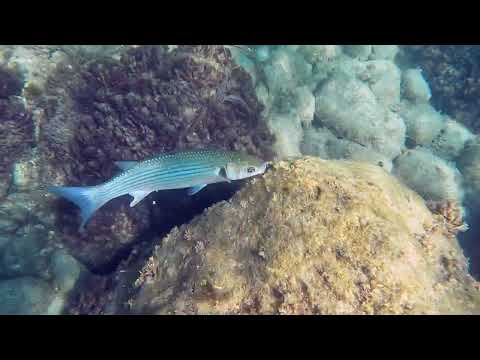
(125, 165)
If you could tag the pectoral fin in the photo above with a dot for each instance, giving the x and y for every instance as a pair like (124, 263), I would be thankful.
(125, 165)
(138, 196)
(223, 174)
(195, 189)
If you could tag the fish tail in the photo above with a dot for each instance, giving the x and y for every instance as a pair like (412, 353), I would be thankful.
(86, 198)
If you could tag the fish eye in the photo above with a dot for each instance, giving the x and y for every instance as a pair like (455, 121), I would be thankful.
(251, 169)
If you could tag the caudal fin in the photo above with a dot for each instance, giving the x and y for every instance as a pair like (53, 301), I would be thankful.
(86, 198)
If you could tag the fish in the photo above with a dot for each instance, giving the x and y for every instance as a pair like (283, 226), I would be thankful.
(190, 169)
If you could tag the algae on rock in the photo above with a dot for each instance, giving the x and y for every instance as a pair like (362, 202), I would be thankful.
(311, 236)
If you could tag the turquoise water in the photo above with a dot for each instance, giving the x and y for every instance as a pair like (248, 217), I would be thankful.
(70, 112)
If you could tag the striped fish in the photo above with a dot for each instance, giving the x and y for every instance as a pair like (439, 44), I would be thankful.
(187, 169)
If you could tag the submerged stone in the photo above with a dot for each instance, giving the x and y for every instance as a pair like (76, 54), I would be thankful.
(26, 296)
(311, 237)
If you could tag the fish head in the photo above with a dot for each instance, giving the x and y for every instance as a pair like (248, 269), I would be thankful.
(245, 166)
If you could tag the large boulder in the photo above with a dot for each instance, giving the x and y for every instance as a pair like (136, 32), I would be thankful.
(350, 108)
(430, 176)
(316, 237)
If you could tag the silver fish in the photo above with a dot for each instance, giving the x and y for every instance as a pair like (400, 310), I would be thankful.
(187, 169)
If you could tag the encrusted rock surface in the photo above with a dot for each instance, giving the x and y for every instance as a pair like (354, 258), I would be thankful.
(311, 236)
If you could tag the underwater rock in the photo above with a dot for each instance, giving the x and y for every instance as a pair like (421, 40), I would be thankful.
(361, 52)
(430, 176)
(150, 101)
(311, 237)
(26, 296)
(348, 150)
(285, 90)
(94, 297)
(423, 123)
(25, 254)
(384, 52)
(246, 59)
(26, 173)
(16, 126)
(316, 54)
(30, 248)
(451, 140)
(322, 143)
(359, 112)
(452, 71)
(92, 51)
(111, 231)
(349, 108)
(288, 133)
(265, 98)
(415, 87)
(383, 77)
(22, 209)
(34, 63)
(11, 83)
(316, 142)
(286, 70)
(305, 105)
(66, 270)
(262, 52)
(469, 165)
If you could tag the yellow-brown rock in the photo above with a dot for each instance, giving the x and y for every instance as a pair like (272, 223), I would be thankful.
(311, 237)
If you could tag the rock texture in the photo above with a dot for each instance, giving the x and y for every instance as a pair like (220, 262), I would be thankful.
(311, 237)
(453, 74)
(16, 126)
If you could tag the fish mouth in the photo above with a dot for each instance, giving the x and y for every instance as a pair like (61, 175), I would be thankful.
(267, 165)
